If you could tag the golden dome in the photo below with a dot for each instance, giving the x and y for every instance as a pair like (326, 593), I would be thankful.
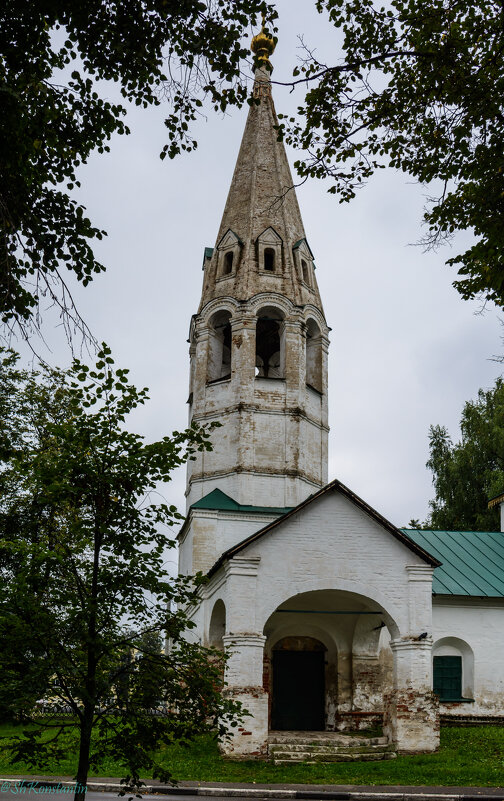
(263, 46)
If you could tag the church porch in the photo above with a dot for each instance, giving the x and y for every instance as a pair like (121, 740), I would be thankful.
(331, 663)
(327, 663)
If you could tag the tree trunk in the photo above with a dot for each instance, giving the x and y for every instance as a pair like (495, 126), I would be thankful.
(86, 728)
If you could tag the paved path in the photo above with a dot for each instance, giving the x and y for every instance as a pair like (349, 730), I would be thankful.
(186, 791)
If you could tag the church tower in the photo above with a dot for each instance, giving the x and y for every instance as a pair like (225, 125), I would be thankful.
(317, 638)
(258, 343)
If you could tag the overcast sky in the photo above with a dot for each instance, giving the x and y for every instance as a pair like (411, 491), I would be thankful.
(405, 351)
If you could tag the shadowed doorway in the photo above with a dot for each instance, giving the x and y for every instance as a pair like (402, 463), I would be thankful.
(298, 702)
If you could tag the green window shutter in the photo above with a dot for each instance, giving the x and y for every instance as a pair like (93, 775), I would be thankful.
(448, 677)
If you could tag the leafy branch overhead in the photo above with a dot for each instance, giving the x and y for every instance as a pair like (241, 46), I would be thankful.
(52, 53)
(419, 88)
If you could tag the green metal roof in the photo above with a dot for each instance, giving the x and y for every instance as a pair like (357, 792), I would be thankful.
(207, 255)
(220, 501)
(472, 561)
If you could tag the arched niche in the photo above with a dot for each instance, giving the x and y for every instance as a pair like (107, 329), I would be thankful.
(228, 262)
(314, 356)
(217, 627)
(453, 669)
(270, 343)
(305, 272)
(371, 665)
(219, 346)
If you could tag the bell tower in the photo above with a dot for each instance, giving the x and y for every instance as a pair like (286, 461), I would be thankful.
(258, 343)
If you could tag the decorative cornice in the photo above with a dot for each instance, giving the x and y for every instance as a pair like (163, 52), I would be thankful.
(243, 566)
(294, 412)
(420, 573)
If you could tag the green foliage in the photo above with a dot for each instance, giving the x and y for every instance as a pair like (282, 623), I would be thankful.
(52, 53)
(83, 579)
(470, 472)
(420, 88)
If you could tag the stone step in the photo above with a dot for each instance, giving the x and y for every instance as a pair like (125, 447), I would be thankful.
(332, 740)
(294, 748)
(286, 758)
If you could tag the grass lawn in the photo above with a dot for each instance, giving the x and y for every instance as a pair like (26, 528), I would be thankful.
(468, 756)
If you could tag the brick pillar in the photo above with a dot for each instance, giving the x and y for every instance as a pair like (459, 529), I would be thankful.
(244, 678)
(411, 710)
(244, 644)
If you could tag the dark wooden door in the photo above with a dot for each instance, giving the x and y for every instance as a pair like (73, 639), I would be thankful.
(298, 691)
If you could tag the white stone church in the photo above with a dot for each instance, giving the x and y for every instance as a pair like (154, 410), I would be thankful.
(334, 619)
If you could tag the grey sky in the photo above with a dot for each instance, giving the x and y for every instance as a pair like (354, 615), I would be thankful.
(406, 350)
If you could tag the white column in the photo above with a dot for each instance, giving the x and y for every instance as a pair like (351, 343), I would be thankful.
(411, 718)
(244, 646)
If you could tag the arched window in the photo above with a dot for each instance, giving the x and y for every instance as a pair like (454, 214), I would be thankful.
(269, 344)
(453, 670)
(269, 259)
(306, 275)
(217, 625)
(314, 356)
(219, 347)
(228, 262)
(228, 251)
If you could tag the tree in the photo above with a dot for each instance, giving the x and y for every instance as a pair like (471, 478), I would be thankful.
(83, 577)
(470, 472)
(420, 88)
(52, 53)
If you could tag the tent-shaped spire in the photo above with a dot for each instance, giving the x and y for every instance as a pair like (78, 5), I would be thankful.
(261, 213)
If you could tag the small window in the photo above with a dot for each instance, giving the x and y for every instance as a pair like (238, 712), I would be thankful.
(304, 268)
(228, 262)
(269, 259)
(448, 677)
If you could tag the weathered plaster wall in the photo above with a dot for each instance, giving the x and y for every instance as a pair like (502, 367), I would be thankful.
(208, 533)
(479, 622)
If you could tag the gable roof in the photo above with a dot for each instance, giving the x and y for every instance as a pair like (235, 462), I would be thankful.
(220, 501)
(472, 561)
(333, 486)
(298, 244)
(225, 234)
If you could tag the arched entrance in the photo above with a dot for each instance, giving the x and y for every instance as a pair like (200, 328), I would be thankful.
(327, 663)
(298, 685)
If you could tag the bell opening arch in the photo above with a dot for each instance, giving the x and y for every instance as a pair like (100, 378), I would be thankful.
(270, 343)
